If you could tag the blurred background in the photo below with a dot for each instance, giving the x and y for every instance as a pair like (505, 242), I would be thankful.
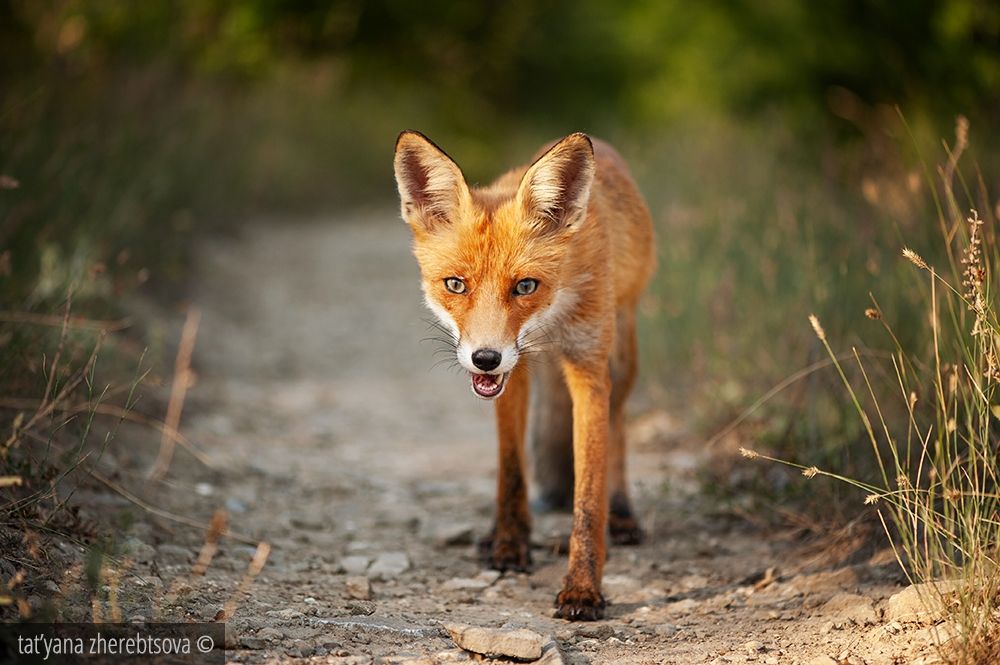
(788, 151)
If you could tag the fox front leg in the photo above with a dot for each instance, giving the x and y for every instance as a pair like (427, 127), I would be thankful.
(509, 546)
(590, 387)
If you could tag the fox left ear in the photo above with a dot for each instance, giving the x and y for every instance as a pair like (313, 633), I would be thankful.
(432, 189)
(555, 189)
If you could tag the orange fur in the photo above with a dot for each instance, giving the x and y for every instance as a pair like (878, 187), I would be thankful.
(574, 221)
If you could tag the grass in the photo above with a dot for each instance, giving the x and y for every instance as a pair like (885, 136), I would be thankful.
(929, 424)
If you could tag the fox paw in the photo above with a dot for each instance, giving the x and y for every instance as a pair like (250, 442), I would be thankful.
(580, 604)
(625, 530)
(505, 554)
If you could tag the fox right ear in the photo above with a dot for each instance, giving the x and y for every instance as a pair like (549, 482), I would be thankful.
(432, 189)
(555, 190)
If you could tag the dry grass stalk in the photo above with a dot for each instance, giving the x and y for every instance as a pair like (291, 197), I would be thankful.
(183, 379)
(74, 322)
(216, 528)
(253, 570)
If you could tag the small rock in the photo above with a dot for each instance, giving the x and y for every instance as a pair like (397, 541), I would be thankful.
(288, 614)
(173, 554)
(355, 564)
(464, 584)
(771, 660)
(598, 631)
(139, 551)
(919, 603)
(488, 576)
(550, 654)
(666, 630)
(753, 646)
(358, 587)
(451, 656)
(388, 565)
(822, 660)
(270, 634)
(520, 643)
(447, 534)
(893, 627)
(252, 643)
(361, 608)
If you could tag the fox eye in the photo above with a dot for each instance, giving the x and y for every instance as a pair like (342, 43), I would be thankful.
(454, 284)
(525, 287)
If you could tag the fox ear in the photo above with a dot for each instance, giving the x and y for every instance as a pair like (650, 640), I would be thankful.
(432, 189)
(555, 189)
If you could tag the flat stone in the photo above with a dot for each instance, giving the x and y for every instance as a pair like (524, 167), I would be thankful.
(358, 587)
(919, 603)
(388, 565)
(519, 643)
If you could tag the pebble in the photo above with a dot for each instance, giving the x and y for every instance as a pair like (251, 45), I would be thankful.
(358, 587)
(753, 646)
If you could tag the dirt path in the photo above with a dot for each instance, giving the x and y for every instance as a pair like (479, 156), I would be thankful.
(334, 442)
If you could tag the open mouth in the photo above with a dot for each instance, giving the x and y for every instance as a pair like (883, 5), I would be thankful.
(488, 386)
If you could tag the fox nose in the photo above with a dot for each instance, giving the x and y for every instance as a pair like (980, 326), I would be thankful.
(486, 359)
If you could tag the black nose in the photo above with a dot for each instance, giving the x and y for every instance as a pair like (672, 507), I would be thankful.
(486, 359)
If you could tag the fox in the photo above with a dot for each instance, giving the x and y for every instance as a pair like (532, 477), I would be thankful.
(535, 280)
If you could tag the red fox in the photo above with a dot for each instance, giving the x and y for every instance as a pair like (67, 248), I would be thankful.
(535, 279)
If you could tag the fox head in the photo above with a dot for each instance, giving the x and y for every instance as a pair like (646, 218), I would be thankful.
(491, 259)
